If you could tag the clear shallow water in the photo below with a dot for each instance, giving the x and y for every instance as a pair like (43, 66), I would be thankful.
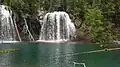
(58, 55)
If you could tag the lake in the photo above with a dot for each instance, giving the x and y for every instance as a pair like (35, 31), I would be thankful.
(59, 55)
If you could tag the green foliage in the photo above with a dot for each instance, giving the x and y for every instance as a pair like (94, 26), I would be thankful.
(97, 15)
(23, 7)
(100, 31)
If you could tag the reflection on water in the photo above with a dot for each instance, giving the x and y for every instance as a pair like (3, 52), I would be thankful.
(52, 55)
(5, 60)
(57, 55)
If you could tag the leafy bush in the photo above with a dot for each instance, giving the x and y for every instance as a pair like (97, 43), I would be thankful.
(100, 31)
(23, 7)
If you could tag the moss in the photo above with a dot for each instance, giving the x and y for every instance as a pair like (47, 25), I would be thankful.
(7, 51)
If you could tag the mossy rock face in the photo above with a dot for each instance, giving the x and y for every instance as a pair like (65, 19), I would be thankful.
(7, 51)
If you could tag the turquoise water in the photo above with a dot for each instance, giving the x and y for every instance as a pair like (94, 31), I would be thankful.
(58, 55)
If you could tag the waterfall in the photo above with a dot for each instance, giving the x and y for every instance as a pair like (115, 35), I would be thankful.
(57, 26)
(26, 29)
(7, 26)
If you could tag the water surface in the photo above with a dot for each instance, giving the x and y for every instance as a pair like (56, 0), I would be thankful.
(58, 55)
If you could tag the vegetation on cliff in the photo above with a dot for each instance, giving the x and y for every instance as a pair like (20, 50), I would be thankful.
(97, 19)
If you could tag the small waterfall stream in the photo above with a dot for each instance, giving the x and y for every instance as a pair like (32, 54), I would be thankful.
(8, 28)
(31, 38)
(7, 32)
(57, 26)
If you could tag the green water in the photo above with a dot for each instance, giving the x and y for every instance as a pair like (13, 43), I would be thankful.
(58, 55)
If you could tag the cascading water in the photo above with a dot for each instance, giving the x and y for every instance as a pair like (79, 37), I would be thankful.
(57, 26)
(7, 27)
(26, 30)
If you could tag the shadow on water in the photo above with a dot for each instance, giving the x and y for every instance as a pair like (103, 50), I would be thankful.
(59, 55)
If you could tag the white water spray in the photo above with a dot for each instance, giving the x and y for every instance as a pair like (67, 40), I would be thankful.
(7, 26)
(57, 26)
